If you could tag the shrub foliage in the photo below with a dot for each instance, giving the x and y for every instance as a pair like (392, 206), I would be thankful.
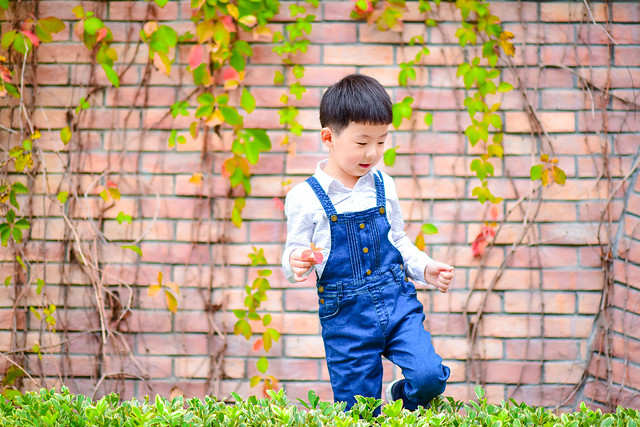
(49, 408)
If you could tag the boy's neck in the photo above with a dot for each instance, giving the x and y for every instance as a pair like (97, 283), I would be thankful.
(334, 171)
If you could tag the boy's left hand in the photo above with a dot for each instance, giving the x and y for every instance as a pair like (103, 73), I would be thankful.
(439, 275)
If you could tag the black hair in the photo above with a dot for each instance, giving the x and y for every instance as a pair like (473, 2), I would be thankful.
(356, 98)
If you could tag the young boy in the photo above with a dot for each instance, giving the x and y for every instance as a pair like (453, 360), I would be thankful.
(368, 307)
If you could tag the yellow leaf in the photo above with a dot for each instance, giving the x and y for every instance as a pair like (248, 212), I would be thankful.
(104, 195)
(215, 119)
(508, 48)
(196, 178)
(173, 286)
(160, 277)
(233, 11)
(172, 302)
(115, 193)
(36, 135)
(154, 289)
(249, 20)
(420, 241)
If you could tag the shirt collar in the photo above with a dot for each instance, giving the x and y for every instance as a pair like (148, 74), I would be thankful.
(327, 181)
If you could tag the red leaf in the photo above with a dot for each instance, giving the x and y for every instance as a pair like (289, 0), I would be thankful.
(195, 56)
(318, 257)
(230, 74)
(5, 74)
(32, 37)
(111, 184)
(279, 204)
(258, 344)
(227, 21)
(102, 33)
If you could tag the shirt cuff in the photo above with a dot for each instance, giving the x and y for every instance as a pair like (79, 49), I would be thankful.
(416, 270)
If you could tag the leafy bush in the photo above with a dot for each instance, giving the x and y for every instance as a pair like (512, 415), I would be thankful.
(48, 408)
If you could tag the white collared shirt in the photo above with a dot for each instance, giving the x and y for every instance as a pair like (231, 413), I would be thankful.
(307, 221)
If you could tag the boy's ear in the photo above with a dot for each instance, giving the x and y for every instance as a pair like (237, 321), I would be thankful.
(326, 135)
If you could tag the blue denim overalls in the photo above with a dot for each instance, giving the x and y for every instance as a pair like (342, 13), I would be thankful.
(368, 309)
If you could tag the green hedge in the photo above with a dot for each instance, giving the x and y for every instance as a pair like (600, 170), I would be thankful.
(48, 408)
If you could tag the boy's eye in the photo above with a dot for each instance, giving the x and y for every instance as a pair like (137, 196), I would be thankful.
(381, 142)
(361, 143)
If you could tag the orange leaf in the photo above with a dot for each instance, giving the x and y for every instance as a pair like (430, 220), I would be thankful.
(229, 167)
(257, 345)
(420, 241)
(494, 212)
(102, 33)
(196, 178)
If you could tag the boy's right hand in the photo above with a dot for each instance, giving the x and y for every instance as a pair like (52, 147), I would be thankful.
(301, 261)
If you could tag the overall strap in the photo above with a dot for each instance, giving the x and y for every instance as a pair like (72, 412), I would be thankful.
(322, 196)
(380, 197)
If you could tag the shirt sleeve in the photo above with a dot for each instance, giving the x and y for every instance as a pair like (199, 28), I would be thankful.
(415, 260)
(300, 228)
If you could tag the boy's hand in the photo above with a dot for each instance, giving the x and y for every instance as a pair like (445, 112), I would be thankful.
(301, 261)
(439, 275)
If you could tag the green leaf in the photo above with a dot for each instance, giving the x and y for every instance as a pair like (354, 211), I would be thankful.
(39, 286)
(111, 75)
(247, 101)
(52, 24)
(255, 380)
(62, 196)
(278, 78)
(122, 217)
(22, 224)
(536, 172)
(240, 314)
(19, 259)
(13, 373)
(78, 11)
(274, 334)
(231, 116)
(505, 87)
(161, 3)
(20, 188)
(7, 281)
(428, 119)
(297, 89)
(5, 233)
(479, 391)
(134, 248)
(92, 25)
(8, 38)
(389, 157)
(262, 365)
(402, 110)
(429, 229)
(266, 320)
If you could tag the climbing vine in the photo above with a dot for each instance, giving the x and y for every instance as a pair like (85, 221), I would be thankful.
(218, 57)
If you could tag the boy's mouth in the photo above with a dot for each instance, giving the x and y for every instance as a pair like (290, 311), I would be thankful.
(365, 165)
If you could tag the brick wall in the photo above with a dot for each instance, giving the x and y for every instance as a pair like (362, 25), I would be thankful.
(554, 316)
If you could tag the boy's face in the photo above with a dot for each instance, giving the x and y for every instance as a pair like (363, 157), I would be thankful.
(354, 151)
